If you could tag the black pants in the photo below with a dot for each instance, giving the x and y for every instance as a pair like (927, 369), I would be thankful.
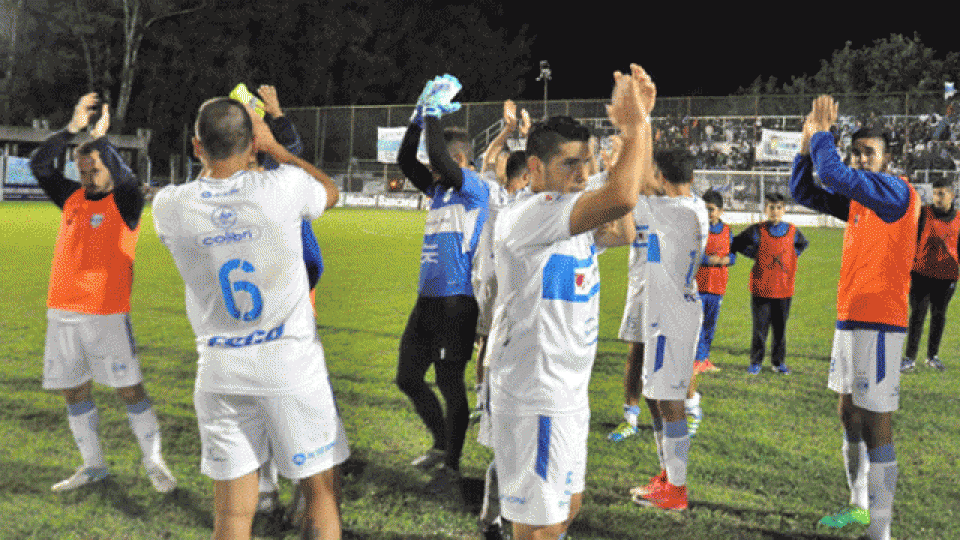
(934, 294)
(440, 332)
(769, 312)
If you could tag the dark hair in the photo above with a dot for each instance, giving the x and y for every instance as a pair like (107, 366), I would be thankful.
(546, 137)
(676, 165)
(516, 164)
(714, 198)
(871, 132)
(774, 197)
(224, 128)
(457, 140)
(85, 149)
(941, 182)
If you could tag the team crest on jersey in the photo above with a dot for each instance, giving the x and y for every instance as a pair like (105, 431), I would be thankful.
(96, 220)
(581, 283)
(224, 217)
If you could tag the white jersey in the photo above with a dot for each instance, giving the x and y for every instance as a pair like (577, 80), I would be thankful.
(677, 236)
(237, 244)
(544, 336)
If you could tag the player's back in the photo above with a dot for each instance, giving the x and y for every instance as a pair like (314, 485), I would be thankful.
(237, 244)
(677, 236)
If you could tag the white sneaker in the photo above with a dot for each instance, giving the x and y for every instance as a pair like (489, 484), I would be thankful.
(159, 475)
(83, 476)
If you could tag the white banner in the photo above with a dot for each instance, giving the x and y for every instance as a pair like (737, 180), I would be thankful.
(354, 200)
(388, 145)
(778, 145)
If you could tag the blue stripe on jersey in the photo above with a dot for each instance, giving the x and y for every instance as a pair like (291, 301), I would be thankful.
(653, 248)
(881, 357)
(447, 256)
(661, 350)
(561, 279)
(543, 447)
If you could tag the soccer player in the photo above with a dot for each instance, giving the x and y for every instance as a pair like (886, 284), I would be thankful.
(443, 324)
(544, 338)
(631, 326)
(933, 279)
(262, 388)
(485, 287)
(672, 317)
(775, 245)
(881, 212)
(89, 336)
(286, 134)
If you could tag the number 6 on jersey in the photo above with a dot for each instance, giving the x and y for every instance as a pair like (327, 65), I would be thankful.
(228, 288)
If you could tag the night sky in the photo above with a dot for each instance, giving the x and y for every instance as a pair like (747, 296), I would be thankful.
(691, 51)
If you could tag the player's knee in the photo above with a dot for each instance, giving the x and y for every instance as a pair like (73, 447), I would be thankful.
(132, 394)
(409, 384)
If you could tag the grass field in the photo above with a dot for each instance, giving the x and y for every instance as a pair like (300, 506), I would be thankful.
(765, 464)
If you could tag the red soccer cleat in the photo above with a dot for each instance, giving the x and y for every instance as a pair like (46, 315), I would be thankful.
(666, 497)
(655, 483)
(709, 366)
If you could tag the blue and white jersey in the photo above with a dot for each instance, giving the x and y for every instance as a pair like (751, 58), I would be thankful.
(237, 244)
(483, 265)
(637, 260)
(677, 236)
(454, 224)
(544, 336)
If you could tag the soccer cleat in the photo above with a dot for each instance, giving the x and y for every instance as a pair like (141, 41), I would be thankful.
(160, 476)
(846, 516)
(694, 416)
(709, 366)
(475, 416)
(907, 364)
(754, 369)
(667, 497)
(936, 364)
(623, 431)
(699, 366)
(83, 476)
(431, 459)
(655, 483)
(781, 369)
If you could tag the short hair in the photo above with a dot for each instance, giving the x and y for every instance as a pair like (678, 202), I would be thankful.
(871, 132)
(941, 183)
(224, 128)
(546, 137)
(713, 197)
(457, 140)
(676, 165)
(86, 149)
(774, 197)
(516, 164)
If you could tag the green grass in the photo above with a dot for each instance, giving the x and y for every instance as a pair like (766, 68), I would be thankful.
(765, 464)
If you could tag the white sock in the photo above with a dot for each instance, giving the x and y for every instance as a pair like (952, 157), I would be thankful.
(692, 403)
(883, 485)
(631, 413)
(676, 447)
(143, 422)
(268, 477)
(857, 467)
(84, 421)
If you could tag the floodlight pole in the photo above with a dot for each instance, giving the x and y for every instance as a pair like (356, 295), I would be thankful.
(545, 75)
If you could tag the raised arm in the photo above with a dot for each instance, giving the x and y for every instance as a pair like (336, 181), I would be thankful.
(42, 162)
(450, 174)
(416, 172)
(633, 98)
(265, 142)
(127, 194)
(802, 186)
(497, 144)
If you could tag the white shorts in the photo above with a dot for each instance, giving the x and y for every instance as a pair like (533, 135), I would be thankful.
(81, 346)
(631, 326)
(670, 348)
(541, 463)
(300, 431)
(866, 364)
